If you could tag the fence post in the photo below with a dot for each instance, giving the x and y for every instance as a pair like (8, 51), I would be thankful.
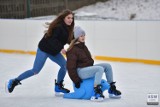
(28, 9)
(66, 4)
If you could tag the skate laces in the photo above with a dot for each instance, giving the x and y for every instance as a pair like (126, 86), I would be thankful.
(15, 83)
(98, 91)
(113, 89)
(12, 83)
(61, 86)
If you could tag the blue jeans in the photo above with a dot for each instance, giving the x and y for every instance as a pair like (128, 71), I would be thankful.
(39, 63)
(96, 71)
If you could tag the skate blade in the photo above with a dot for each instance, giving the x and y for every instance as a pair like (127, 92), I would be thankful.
(6, 87)
(59, 94)
(96, 100)
(114, 96)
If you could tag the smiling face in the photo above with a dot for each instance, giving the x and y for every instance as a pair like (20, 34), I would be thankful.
(68, 19)
(81, 38)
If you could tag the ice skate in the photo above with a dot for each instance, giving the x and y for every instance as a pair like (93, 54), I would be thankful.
(10, 85)
(59, 89)
(113, 92)
(97, 94)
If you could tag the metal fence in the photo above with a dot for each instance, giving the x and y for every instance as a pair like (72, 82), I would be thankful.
(31, 8)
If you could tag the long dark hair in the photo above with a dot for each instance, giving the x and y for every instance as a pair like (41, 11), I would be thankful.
(73, 42)
(57, 21)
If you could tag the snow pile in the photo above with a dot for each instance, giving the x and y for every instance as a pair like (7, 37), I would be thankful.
(121, 10)
(117, 10)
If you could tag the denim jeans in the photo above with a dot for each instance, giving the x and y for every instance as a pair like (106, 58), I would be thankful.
(39, 63)
(96, 71)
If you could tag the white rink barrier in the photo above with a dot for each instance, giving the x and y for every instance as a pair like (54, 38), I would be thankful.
(123, 40)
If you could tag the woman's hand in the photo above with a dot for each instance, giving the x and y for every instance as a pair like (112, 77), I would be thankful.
(63, 51)
(78, 84)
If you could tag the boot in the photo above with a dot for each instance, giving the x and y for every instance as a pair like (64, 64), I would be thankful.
(59, 88)
(11, 84)
(113, 92)
(97, 94)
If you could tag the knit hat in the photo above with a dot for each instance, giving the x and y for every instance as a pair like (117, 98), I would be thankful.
(78, 31)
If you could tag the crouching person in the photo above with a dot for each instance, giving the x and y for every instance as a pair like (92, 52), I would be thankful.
(81, 66)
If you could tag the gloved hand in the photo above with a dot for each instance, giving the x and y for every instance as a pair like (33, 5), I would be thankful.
(78, 84)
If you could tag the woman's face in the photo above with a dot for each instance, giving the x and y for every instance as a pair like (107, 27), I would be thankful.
(68, 19)
(81, 38)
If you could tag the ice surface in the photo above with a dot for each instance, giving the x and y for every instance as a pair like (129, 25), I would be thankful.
(135, 80)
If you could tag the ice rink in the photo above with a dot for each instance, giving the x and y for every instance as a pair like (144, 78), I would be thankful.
(134, 80)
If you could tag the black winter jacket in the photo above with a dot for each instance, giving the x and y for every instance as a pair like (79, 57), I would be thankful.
(55, 43)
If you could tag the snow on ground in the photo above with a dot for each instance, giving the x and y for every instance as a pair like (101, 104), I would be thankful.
(123, 10)
(135, 80)
(118, 10)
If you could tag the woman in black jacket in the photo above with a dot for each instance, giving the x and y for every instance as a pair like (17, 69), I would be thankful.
(59, 33)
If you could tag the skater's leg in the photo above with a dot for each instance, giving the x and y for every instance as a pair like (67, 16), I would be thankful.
(96, 72)
(113, 92)
(60, 60)
(38, 64)
(92, 71)
(107, 70)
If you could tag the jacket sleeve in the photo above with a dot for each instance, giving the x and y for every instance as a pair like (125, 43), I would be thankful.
(72, 66)
(53, 42)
